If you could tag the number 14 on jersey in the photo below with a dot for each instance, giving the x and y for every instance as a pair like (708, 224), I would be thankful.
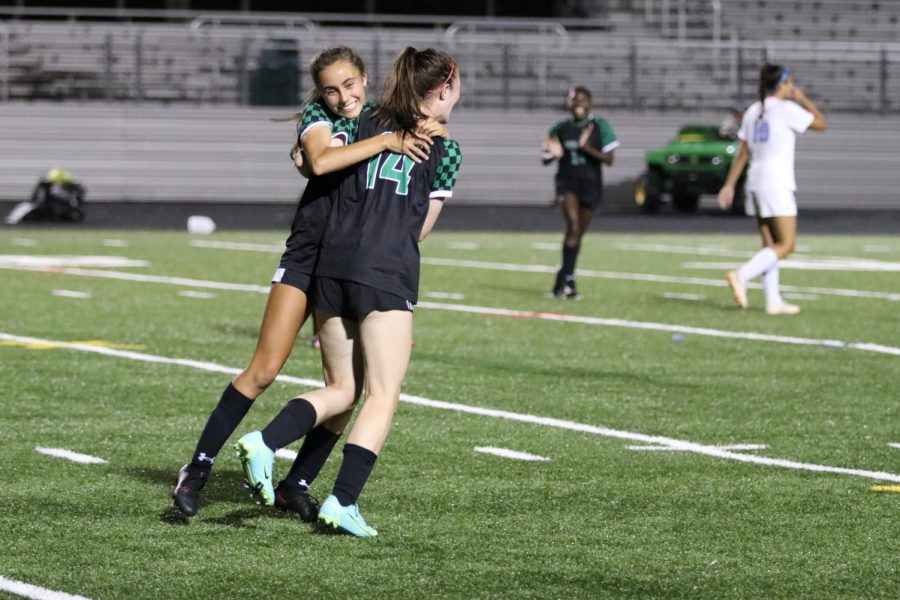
(390, 167)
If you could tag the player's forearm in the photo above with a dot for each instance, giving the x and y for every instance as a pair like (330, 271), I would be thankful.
(434, 211)
(598, 155)
(335, 158)
(737, 167)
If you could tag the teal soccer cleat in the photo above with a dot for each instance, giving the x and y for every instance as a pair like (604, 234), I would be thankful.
(257, 460)
(344, 518)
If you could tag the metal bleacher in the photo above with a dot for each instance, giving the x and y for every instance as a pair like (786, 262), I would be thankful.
(815, 20)
(148, 108)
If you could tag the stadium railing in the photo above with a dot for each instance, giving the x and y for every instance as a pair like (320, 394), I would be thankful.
(261, 60)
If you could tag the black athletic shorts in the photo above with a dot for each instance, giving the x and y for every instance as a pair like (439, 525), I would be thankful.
(588, 191)
(292, 275)
(353, 301)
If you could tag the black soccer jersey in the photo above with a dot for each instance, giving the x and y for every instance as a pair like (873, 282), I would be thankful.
(575, 164)
(302, 246)
(372, 235)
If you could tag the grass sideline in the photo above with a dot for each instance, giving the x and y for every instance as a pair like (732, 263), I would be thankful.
(596, 520)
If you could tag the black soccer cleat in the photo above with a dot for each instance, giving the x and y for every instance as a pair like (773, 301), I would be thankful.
(559, 286)
(292, 498)
(186, 494)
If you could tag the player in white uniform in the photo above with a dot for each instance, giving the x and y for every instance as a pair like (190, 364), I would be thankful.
(768, 133)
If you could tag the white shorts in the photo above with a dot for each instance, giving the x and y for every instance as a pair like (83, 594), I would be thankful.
(771, 203)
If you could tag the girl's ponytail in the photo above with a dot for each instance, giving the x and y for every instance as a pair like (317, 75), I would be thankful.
(770, 76)
(414, 75)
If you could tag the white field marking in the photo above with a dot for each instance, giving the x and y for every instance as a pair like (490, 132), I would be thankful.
(669, 249)
(744, 335)
(678, 296)
(115, 243)
(28, 261)
(197, 283)
(24, 242)
(463, 245)
(546, 246)
(796, 296)
(86, 459)
(472, 264)
(808, 265)
(728, 447)
(494, 266)
(71, 294)
(893, 445)
(503, 452)
(286, 454)
(685, 446)
(505, 312)
(445, 295)
(26, 590)
(797, 258)
(238, 246)
(196, 294)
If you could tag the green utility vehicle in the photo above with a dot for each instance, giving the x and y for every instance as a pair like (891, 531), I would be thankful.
(694, 163)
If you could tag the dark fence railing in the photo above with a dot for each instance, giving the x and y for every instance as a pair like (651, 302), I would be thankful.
(518, 64)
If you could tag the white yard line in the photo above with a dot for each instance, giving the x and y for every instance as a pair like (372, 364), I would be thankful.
(798, 258)
(506, 312)
(796, 296)
(71, 294)
(216, 245)
(86, 459)
(728, 447)
(463, 245)
(513, 454)
(445, 295)
(806, 265)
(31, 261)
(495, 266)
(657, 440)
(196, 294)
(893, 445)
(743, 335)
(671, 249)
(555, 247)
(26, 590)
(678, 296)
(649, 277)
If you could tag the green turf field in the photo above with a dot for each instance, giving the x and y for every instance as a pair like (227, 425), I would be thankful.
(694, 450)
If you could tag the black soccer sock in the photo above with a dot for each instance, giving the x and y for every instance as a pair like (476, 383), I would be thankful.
(316, 448)
(294, 421)
(570, 255)
(355, 470)
(222, 422)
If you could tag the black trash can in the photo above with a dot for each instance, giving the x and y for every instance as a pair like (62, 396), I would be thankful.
(276, 79)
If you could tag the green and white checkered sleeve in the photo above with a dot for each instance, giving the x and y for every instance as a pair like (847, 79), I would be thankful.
(554, 131)
(314, 115)
(345, 129)
(608, 140)
(447, 172)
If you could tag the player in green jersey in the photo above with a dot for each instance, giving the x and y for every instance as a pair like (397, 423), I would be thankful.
(581, 144)
(339, 75)
(367, 280)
